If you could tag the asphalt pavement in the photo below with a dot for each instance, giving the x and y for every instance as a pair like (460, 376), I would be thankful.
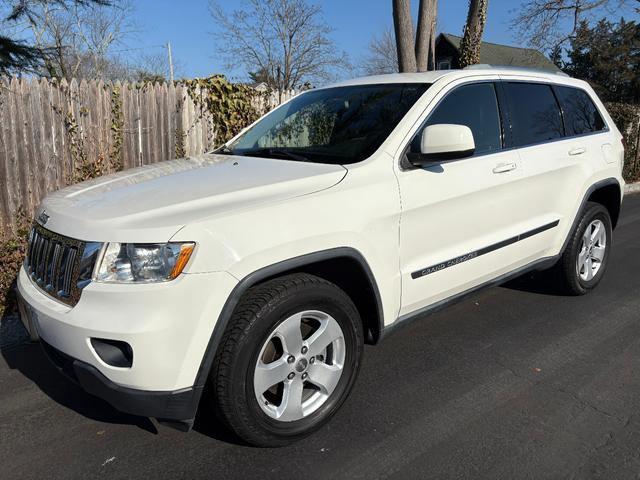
(514, 382)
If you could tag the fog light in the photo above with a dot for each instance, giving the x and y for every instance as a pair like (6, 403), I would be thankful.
(113, 352)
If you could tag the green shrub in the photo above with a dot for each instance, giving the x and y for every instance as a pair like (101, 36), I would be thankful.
(13, 247)
(627, 119)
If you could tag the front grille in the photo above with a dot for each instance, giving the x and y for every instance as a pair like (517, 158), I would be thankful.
(53, 263)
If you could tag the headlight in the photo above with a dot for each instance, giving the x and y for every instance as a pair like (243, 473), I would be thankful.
(142, 263)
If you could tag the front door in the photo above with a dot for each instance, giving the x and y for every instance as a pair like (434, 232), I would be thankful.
(460, 218)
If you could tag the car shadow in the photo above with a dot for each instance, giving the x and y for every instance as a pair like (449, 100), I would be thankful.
(11, 329)
(541, 282)
(29, 359)
(208, 424)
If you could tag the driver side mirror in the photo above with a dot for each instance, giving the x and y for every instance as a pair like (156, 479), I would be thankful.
(442, 142)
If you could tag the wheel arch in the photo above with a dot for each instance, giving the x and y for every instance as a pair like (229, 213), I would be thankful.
(608, 195)
(597, 192)
(358, 282)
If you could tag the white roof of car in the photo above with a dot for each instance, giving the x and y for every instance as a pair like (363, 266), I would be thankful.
(422, 77)
(473, 71)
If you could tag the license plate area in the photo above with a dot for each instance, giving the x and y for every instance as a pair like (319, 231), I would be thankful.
(28, 316)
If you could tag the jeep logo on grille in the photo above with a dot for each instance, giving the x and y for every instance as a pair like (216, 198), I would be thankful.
(43, 217)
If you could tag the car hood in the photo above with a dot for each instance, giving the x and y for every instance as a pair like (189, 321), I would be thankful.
(150, 203)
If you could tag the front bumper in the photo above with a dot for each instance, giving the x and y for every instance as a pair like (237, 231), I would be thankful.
(177, 405)
(167, 325)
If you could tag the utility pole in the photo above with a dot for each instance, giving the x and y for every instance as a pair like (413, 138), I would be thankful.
(170, 62)
(279, 74)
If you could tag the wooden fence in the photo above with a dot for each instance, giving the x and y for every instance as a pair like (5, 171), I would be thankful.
(53, 134)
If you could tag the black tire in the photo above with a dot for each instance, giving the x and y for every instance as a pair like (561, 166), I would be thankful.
(257, 315)
(567, 274)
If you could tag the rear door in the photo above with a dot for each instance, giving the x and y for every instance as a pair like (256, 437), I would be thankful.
(553, 130)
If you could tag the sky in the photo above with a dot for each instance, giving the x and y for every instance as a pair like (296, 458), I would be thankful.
(188, 26)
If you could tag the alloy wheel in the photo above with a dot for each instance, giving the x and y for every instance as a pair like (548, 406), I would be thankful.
(299, 365)
(592, 250)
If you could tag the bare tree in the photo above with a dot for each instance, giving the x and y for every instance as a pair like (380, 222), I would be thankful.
(154, 67)
(403, 27)
(75, 40)
(53, 30)
(415, 55)
(426, 35)
(286, 40)
(382, 55)
(547, 24)
(17, 55)
(99, 29)
(472, 33)
(432, 36)
(36, 22)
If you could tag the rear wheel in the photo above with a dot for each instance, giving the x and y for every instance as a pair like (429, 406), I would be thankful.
(585, 258)
(288, 359)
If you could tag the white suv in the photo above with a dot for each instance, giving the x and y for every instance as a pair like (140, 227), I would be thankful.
(261, 269)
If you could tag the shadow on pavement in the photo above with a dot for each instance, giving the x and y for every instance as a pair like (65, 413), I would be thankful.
(208, 424)
(11, 330)
(541, 283)
(30, 360)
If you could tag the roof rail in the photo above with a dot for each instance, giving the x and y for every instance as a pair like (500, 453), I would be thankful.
(486, 66)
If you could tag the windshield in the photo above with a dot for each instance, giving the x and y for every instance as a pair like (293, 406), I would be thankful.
(335, 125)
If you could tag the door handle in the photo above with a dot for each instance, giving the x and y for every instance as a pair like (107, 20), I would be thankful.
(577, 151)
(504, 167)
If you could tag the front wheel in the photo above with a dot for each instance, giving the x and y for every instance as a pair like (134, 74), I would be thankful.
(288, 359)
(585, 258)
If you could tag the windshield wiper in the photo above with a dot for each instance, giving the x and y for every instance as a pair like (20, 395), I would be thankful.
(274, 152)
(223, 150)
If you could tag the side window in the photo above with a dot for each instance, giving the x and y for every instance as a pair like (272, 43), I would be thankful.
(535, 113)
(476, 107)
(580, 114)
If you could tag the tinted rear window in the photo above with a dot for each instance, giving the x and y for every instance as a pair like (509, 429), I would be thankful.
(535, 113)
(580, 114)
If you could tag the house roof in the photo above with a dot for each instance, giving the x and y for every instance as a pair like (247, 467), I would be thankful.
(496, 54)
